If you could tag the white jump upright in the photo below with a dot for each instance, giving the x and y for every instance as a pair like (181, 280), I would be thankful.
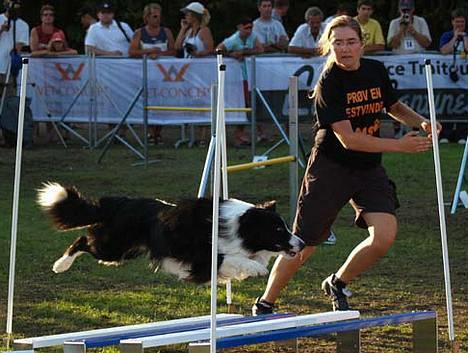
(457, 196)
(440, 201)
(16, 191)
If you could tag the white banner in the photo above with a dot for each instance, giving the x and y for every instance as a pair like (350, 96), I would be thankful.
(406, 71)
(63, 88)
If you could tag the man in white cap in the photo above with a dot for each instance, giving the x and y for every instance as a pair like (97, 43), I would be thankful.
(108, 36)
(408, 33)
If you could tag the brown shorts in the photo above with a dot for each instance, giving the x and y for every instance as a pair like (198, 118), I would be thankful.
(327, 187)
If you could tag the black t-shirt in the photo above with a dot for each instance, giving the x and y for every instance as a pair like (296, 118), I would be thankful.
(359, 96)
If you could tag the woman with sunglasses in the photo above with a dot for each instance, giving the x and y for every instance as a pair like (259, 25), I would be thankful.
(345, 163)
(42, 34)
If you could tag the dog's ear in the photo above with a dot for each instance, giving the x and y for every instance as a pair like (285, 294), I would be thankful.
(268, 205)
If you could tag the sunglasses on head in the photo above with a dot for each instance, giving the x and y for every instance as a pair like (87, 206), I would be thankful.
(48, 14)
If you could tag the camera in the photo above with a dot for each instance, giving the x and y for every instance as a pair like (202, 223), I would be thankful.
(12, 7)
(190, 48)
(405, 19)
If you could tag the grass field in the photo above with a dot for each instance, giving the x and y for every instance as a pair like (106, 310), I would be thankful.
(409, 277)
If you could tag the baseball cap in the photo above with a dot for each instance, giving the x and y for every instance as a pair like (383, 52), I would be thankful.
(406, 4)
(194, 7)
(105, 6)
(245, 20)
(57, 37)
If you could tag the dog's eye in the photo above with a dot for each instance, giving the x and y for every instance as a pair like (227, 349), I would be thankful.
(279, 229)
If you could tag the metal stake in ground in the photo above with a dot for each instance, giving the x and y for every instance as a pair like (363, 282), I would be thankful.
(440, 201)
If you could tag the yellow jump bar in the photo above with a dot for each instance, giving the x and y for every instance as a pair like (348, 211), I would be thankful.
(193, 109)
(245, 166)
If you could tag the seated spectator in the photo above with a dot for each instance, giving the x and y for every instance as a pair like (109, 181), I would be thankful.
(108, 36)
(305, 40)
(194, 38)
(455, 42)
(241, 44)
(87, 17)
(270, 32)
(57, 46)
(154, 41)
(42, 34)
(371, 29)
(343, 9)
(457, 38)
(280, 9)
(408, 33)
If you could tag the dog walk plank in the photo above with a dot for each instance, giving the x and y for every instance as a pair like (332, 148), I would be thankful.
(321, 330)
(59, 339)
(115, 338)
(138, 345)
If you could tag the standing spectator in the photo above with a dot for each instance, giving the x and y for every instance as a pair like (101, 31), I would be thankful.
(195, 40)
(42, 34)
(87, 17)
(57, 46)
(305, 40)
(269, 31)
(455, 42)
(241, 44)
(280, 9)
(108, 36)
(154, 41)
(345, 164)
(371, 29)
(8, 22)
(195, 37)
(343, 9)
(408, 33)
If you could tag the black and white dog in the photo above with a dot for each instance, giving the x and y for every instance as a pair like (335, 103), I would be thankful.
(177, 238)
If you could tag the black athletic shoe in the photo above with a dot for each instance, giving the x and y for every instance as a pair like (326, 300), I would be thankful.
(337, 291)
(262, 307)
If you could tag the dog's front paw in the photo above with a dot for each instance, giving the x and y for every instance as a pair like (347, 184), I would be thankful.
(255, 269)
(63, 264)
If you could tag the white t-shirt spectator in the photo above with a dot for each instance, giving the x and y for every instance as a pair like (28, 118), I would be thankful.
(408, 43)
(109, 38)
(304, 39)
(268, 32)
(6, 40)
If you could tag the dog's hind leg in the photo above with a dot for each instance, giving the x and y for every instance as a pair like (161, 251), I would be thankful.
(79, 246)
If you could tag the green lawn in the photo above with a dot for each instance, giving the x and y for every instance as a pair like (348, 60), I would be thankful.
(410, 277)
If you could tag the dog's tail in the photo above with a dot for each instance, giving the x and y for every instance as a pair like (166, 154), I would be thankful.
(67, 207)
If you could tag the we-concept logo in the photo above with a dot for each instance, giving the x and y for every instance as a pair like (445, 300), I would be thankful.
(172, 74)
(69, 72)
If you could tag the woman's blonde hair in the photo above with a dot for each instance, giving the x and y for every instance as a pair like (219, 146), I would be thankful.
(150, 7)
(325, 49)
(203, 19)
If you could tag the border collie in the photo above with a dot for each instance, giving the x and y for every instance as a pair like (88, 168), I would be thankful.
(177, 238)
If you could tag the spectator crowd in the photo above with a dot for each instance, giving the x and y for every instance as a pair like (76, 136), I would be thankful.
(107, 36)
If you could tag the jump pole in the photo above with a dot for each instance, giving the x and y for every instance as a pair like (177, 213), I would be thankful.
(16, 190)
(440, 201)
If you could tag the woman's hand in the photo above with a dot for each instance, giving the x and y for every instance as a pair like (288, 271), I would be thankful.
(413, 143)
(427, 128)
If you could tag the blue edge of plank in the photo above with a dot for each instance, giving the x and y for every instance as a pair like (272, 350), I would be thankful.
(324, 329)
(114, 339)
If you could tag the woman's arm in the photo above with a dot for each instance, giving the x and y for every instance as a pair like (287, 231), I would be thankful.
(184, 27)
(207, 39)
(358, 141)
(34, 44)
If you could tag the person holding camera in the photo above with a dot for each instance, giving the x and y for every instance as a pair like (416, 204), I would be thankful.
(11, 42)
(408, 33)
(456, 39)
(455, 42)
(195, 39)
